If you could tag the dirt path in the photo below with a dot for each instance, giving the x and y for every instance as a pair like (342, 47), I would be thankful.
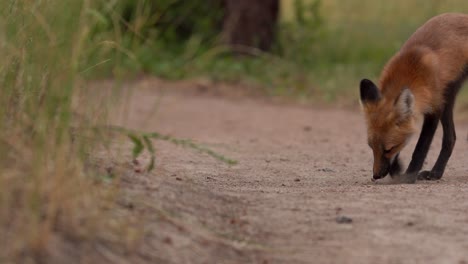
(299, 169)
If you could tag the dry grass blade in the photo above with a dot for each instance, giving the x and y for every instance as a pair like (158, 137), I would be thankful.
(142, 140)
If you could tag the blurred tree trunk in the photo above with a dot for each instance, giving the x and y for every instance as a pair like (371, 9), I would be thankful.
(249, 23)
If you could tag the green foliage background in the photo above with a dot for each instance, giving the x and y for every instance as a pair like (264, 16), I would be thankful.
(323, 49)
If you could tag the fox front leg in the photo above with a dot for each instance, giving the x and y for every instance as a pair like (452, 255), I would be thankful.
(422, 147)
(448, 143)
(449, 137)
(395, 167)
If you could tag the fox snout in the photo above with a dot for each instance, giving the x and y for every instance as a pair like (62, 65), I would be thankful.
(385, 166)
(381, 168)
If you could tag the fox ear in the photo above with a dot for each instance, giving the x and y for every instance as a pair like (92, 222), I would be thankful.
(405, 103)
(369, 92)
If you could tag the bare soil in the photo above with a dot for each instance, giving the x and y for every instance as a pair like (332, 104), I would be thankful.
(301, 193)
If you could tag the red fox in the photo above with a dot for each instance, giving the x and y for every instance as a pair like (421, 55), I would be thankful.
(420, 80)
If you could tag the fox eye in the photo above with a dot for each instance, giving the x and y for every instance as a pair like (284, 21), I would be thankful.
(390, 150)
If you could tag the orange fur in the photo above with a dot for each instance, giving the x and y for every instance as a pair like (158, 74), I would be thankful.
(432, 58)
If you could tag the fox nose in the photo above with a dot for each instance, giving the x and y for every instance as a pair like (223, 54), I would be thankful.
(377, 176)
(381, 171)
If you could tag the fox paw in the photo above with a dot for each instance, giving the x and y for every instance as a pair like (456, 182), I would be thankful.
(429, 176)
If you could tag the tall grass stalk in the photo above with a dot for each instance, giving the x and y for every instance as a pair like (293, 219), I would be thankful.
(44, 188)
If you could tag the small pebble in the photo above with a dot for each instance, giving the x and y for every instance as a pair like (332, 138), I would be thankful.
(167, 240)
(109, 170)
(343, 220)
(326, 170)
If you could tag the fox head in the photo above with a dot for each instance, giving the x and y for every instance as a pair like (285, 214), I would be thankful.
(390, 124)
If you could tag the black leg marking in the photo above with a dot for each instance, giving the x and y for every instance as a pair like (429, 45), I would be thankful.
(449, 137)
(425, 139)
(422, 147)
(448, 142)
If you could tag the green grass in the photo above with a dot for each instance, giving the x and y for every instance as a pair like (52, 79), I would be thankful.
(322, 58)
(45, 188)
(49, 126)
